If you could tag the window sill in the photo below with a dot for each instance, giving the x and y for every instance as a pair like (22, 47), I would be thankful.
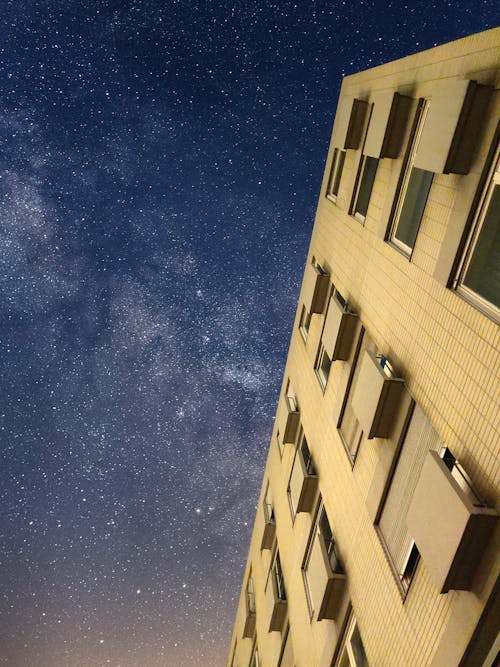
(477, 303)
(359, 218)
(407, 255)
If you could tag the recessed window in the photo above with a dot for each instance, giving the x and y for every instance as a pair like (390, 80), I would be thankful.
(250, 612)
(413, 192)
(307, 457)
(351, 432)
(304, 322)
(269, 530)
(278, 578)
(280, 443)
(303, 480)
(286, 653)
(335, 174)
(250, 596)
(322, 571)
(365, 187)
(392, 526)
(323, 367)
(254, 660)
(478, 278)
(352, 651)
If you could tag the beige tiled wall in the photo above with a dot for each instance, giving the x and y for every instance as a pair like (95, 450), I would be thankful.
(448, 353)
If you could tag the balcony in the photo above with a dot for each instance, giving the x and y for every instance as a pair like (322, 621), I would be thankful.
(450, 524)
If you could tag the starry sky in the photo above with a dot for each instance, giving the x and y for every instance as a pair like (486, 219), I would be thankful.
(159, 168)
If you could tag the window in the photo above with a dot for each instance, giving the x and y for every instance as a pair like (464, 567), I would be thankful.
(420, 437)
(278, 579)
(478, 278)
(323, 575)
(349, 427)
(276, 595)
(335, 174)
(290, 397)
(413, 191)
(307, 457)
(234, 660)
(254, 659)
(365, 187)
(323, 367)
(304, 322)
(410, 565)
(269, 530)
(352, 652)
(288, 418)
(303, 481)
(250, 596)
(286, 653)
(281, 444)
(249, 627)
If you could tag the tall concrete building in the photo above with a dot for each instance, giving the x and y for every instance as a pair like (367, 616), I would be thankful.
(376, 541)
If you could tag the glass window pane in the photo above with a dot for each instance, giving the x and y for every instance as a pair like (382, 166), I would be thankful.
(366, 186)
(325, 367)
(358, 649)
(483, 272)
(338, 173)
(332, 172)
(413, 207)
(344, 660)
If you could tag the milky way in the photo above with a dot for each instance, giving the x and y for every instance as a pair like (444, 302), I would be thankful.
(159, 167)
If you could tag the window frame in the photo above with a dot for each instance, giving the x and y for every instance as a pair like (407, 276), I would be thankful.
(404, 180)
(309, 466)
(305, 323)
(284, 644)
(317, 532)
(321, 374)
(280, 443)
(362, 343)
(362, 172)
(345, 644)
(336, 171)
(466, 253)
(250, 595)
(254, 657)
(276, 577)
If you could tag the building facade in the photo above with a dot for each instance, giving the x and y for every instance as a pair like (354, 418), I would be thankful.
(376, 540)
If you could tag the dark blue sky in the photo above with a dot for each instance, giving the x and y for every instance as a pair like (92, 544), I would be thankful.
(159, 168)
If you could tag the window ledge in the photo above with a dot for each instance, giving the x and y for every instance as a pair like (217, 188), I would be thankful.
(361, 219)
(403, 253)
(484, 309)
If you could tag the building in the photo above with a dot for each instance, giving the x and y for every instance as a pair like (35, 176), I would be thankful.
(375, 541)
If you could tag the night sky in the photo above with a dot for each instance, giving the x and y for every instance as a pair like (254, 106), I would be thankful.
(159, 168)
